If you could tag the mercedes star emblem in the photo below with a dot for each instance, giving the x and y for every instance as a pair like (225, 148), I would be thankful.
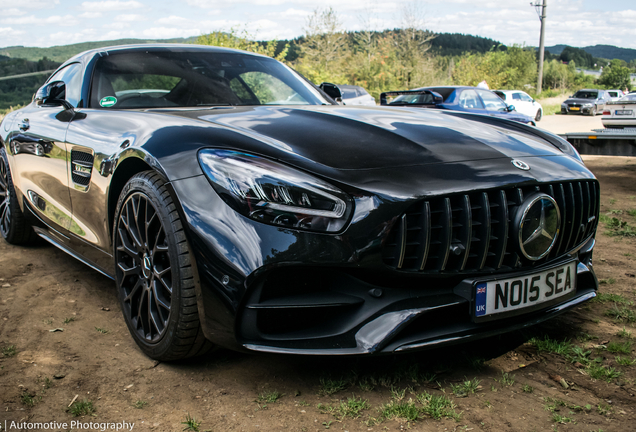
(537, 225)
(520, 164)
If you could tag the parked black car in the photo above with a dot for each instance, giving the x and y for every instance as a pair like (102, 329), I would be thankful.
(586, 101)
(463, 98)
(235, 203)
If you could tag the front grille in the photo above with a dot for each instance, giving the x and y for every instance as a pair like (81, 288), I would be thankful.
(82, 167)
(472, 232)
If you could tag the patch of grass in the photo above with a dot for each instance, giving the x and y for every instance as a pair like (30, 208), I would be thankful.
(631, 213)
(585, 337)
(81, 408)
(617, 227)
(612, 201)
(406, 410)
(9, 351)
(351, 408)
(303, 403)
(625, 361)
(465, 388)
(604, 409)
(101, 330)
(622, 314)
(140, 404)
(551, 345)
(558, 418)
(602, 297)
(68, 320)
(47, 383)
(620, 347)
(579, 355)
(332, 386)
(608, 281)
(191, 424)
(27, 399)
(269, 397)
(600, 372)
(438, 406)
(506, 379)
(365, 384)
(624, 333)
(527, 389)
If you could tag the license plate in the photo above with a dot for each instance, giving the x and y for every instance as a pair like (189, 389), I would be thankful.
(575, 109)
(624, 112)
(505, 295)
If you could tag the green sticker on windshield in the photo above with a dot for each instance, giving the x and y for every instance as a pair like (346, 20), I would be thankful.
(108, 101)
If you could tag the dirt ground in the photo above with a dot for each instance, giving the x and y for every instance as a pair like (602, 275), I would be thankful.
(574, 373)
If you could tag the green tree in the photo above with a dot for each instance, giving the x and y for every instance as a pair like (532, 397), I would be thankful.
(616, 75)
(243, 40)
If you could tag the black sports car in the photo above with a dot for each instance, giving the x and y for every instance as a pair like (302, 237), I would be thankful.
(235, 203)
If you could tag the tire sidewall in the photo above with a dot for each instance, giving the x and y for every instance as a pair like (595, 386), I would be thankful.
(163, 346)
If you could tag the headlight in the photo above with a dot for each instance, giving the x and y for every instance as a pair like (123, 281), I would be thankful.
(273, 193)
(563, 105)
(587, 105)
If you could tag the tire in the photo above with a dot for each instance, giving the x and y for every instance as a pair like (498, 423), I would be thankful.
(14, 227)
(154, 272)
(539, 115)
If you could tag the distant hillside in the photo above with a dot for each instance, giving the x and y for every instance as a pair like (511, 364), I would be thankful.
(62, 53)
(457, 44)
(18, 91)
(600, 51)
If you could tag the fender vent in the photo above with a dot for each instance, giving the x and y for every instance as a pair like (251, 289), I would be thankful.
(82, 167)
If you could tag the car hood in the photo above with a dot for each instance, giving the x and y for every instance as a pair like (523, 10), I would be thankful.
(580, 101)
(358, 138)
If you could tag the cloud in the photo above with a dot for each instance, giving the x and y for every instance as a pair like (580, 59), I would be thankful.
(170, 32)
(11, 12)
(66, 21)
(90, 15)
(130, 18)
(29, 5)
(111, 5)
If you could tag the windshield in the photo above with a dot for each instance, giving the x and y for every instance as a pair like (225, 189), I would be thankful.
(583, 94)
(196, 78)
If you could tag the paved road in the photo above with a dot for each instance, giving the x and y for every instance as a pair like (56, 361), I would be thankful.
(560, 124)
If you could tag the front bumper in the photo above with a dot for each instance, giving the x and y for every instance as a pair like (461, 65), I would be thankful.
(265, 288)
(576, 110)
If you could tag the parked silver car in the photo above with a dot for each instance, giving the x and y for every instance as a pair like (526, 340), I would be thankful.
(356, 95)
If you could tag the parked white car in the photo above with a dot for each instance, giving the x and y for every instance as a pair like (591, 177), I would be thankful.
(522, 102)
(615, 94)
(355, 95)
(621, 113)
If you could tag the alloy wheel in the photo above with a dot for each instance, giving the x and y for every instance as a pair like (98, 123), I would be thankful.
(5, 199)
(144, 272)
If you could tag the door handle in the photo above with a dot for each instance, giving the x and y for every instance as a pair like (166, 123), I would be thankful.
(24, 124)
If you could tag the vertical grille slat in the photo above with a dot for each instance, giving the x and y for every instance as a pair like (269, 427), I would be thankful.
(484, 231)
(471, 232)
(425, 238)
(401, 245)
(445, 237)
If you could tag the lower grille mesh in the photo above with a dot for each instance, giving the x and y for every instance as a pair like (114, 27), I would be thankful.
(471, 232)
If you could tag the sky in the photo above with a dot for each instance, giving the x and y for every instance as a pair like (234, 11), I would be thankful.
(578, 23)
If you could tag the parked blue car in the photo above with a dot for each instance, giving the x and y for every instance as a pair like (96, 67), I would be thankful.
(459, 98)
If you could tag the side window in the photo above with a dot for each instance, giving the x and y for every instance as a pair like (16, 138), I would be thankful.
(72, 77)
(492, 101)
(525, 97)
(516, 96)
(269, 89)
(469, 99)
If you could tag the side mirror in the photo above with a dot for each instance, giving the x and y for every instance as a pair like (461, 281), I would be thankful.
(332, 90)
(511, 108)
(53, 93)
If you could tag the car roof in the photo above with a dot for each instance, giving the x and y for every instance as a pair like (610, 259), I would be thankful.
(157, 48)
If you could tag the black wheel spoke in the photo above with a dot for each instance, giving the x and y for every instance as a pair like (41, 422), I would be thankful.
(144, 271)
